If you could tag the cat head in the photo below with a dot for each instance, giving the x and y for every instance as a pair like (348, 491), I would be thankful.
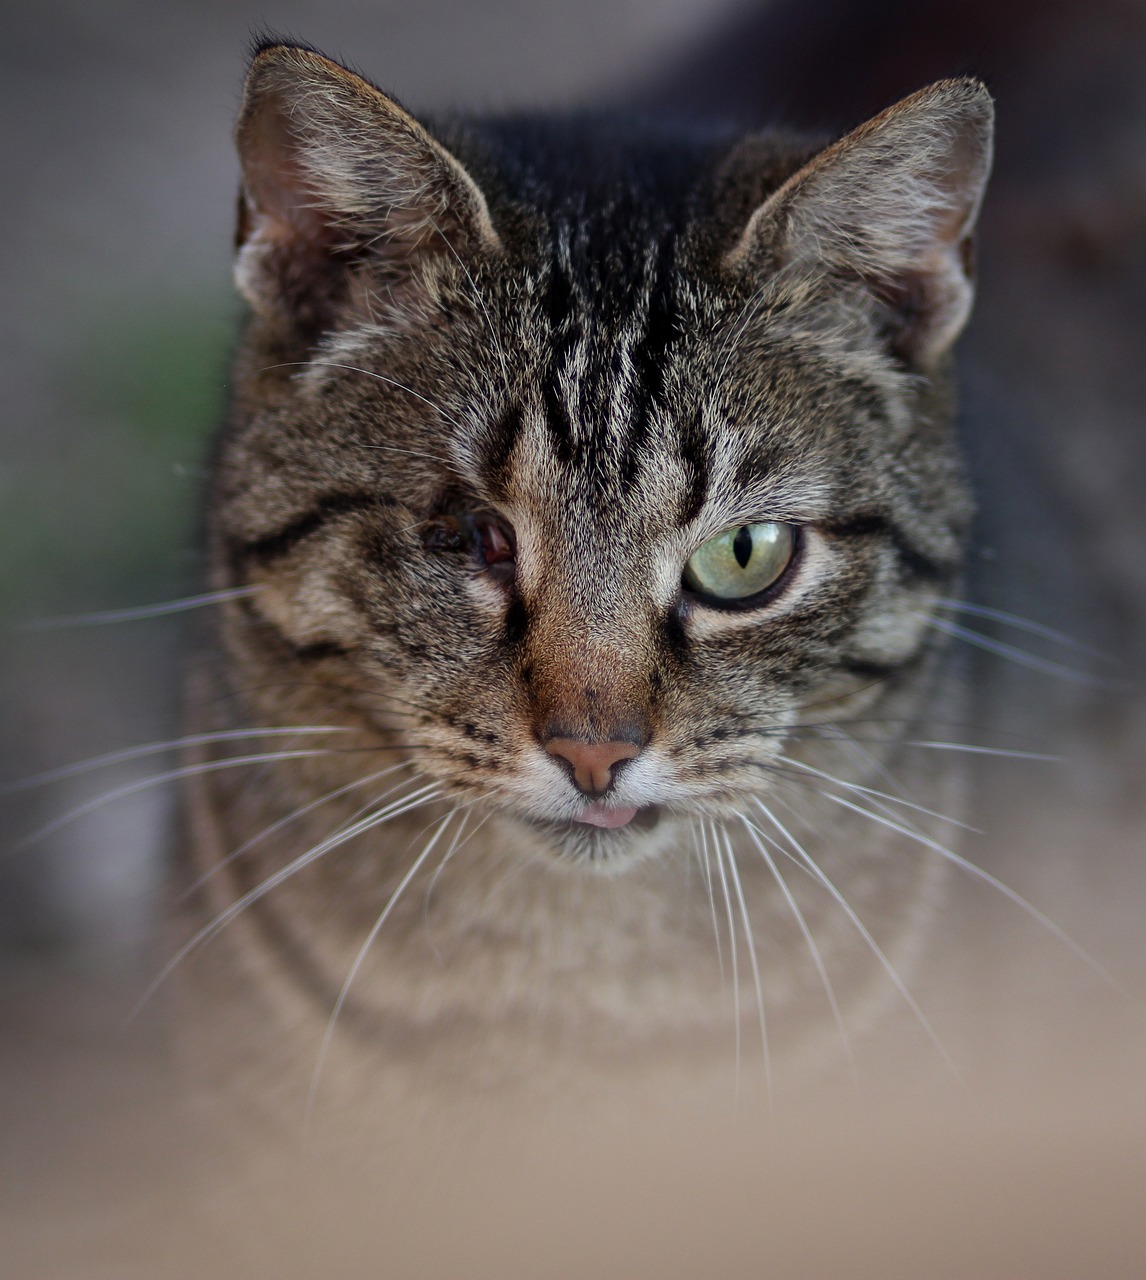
(593, 460)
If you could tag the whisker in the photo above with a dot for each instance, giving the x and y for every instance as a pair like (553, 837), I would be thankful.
(456, 844)
(706, 864)
(732, 949)
(877, 795)
(1019, 656)
(295, 814)
(412, 453)
(155, 748)
(331, 686)
(749, 313)
(826, 728)
(376, 928)
(369, 373)
(498, 344)
(426, 795)
(810, 863)
(1024, 624)
(1003, 752)
(841, 738)
(986, 877)
(753, 959)
(156, 780)
(758, 838)
(139, 612)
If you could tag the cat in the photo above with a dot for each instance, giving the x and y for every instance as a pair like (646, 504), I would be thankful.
(497, 793)
(588, 519)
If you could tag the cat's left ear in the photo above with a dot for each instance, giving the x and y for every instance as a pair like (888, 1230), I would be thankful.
(893, 203)
(333, 170)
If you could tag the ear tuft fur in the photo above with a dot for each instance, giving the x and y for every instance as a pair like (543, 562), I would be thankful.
(894, 203)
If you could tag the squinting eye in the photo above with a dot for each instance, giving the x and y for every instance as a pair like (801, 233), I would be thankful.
(741, 562)
(494, 540)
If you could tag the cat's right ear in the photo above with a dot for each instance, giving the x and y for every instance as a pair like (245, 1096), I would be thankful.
(333, 170)
(893, 206)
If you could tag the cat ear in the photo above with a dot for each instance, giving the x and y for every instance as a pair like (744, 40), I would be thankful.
(333, 168)
(894, 203)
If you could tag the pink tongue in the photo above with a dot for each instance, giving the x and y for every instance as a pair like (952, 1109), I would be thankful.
(596, 815)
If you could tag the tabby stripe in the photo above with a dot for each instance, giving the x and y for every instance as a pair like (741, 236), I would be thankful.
(649, 358)
(875, 524)
(558, 304)
(272, 633)
(516, 623)
(500, 444)
(318, 651)
(273, 546)
(871, 670)
(695, 456)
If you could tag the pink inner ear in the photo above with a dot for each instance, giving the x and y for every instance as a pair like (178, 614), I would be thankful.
(278, 188)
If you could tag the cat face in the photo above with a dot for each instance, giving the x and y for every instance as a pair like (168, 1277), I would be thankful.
(592, 466)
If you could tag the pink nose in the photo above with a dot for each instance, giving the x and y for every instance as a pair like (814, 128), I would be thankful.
(592, 762)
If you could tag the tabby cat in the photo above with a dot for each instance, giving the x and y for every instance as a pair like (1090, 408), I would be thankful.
(590, 514)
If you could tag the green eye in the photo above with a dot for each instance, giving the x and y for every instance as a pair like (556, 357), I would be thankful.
(741, 562)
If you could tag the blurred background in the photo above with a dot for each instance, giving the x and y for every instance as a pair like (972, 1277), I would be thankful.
(115, 229)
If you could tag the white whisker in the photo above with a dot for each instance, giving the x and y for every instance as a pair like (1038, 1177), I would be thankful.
(974, 870)
(897, 794)
(1002, 752)
(876, 795)
(426, 795)
(705, 862)
(732, 949)
(410, 453)
(498, 344)
(301, 811)
(110, 758)
(1003, 650)
(1023, 624)
(750, 943)
(758, 838)
(106, 616)
(379, 377)
(376, 928)
(160, 779)
(456, 844)
(810, 863)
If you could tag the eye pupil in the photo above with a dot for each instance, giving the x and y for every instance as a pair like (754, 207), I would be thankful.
(742, 546)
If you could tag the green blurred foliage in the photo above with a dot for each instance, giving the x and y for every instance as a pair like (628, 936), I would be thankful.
(108, 515)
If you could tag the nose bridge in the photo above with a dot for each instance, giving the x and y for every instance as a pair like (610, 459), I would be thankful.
(589, 672)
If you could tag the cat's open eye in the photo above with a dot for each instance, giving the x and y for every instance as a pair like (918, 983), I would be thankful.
(741, 563)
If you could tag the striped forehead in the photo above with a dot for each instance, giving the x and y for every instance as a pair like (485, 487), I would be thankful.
(606, 324)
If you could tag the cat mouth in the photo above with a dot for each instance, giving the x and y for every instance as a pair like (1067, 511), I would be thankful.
(607, 818)
(599, 815)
